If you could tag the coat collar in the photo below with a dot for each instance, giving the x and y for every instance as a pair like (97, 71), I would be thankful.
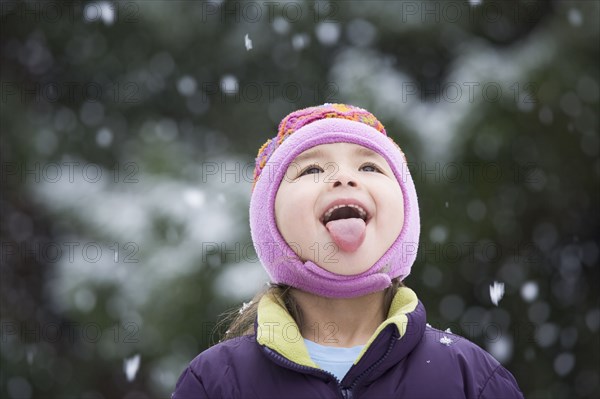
(277, 330)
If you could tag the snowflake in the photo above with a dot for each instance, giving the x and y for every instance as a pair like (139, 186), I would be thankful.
(445, 340)
(245, 306)
(131, 366)
(248, 43)
(496, 292)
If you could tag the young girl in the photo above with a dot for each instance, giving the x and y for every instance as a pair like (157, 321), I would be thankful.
(335, 221)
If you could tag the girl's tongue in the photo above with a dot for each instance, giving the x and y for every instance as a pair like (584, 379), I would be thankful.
(348, 234)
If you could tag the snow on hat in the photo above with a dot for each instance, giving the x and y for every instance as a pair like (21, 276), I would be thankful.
(299, 131)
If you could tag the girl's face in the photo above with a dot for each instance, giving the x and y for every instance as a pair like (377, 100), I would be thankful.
(339, 174)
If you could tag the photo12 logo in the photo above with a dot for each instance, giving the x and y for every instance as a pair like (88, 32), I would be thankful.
(69, 92)
(230, 90)
(266, 11)
(50, 12)
(490, 92)
(68, 332)
(70, 251)
(67, 172)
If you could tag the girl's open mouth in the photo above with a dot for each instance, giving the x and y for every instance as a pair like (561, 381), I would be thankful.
(344, 211)
(346, 223)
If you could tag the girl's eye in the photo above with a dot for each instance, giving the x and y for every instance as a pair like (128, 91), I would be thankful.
(312, 169)
(369, 167)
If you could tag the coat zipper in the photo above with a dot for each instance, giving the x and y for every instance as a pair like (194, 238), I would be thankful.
(344, 391)
(372, 367)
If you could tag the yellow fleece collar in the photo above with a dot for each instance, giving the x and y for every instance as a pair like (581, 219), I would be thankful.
(278, 330)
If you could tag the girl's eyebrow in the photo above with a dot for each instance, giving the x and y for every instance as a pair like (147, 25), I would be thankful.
(363, 151)
(317, 153)
(309, 155)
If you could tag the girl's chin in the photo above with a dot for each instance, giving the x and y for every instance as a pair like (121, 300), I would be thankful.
(347, 267)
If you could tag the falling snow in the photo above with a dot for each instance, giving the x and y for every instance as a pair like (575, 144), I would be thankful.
(131, 366)
(496, 292)
(123, 213)
(248, 42)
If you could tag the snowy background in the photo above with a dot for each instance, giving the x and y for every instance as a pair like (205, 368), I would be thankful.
(128, 134)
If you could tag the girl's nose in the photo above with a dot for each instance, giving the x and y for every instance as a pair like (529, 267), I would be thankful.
(342, 179)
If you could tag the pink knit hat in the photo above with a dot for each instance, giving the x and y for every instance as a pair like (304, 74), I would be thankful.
(299, 131)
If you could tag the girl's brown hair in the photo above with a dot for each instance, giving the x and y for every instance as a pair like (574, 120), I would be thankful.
(241, 321)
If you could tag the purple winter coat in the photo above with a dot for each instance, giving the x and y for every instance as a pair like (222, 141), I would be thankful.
(405, 358)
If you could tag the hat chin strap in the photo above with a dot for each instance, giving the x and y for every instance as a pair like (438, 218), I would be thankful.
(310, 277)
